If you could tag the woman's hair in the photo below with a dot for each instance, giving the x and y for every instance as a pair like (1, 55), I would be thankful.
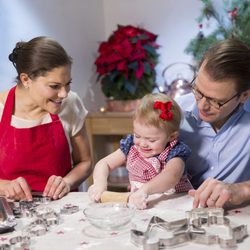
(229, 60)
(38, 56)
(146, 114)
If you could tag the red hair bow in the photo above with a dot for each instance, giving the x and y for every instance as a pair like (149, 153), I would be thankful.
(165, 107)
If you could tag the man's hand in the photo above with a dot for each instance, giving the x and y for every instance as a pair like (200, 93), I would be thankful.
(18, 189)
(214, 193)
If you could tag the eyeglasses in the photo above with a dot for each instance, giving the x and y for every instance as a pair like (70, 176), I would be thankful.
(212, 102)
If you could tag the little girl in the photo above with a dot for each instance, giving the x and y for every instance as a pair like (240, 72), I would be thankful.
(154, 157)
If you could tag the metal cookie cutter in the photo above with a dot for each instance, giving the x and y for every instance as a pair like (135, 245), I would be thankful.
(7, 222)
(38, 198)
(45, 217)
(20, 242)
(28, 208)
(49, 215)
(69, 209)
(36, 228)
(52, 219)
(25, 209)
(190, 229)
(4, 246)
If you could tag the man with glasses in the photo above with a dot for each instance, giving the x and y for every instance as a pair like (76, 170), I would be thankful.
(217, 126)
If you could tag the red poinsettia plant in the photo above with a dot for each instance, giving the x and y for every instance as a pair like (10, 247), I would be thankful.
(126, 63)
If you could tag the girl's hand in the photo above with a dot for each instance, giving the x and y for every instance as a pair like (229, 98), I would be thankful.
(138, 199)
(56, 187)
(95, 191)
(18, 189)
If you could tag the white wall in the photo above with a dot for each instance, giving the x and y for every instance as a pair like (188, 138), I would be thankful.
(76, 24)
(79, 25)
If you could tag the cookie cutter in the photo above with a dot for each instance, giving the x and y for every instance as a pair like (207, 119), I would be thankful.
(49, 216)
(190, 229)
(69, 209)
(45, 217)
(5, 246)
(38, 198)
(28, 208)
(37, 227)
(19, 242)
(52, 219)
(8, 221)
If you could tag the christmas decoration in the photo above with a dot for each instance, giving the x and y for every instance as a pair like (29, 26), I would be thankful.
(126, 63)
(233, 22)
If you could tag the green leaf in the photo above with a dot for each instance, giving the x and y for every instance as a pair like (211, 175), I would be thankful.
(226, 27)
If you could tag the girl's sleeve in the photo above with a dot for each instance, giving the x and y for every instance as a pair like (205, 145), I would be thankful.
(126, 143)
(179, 150)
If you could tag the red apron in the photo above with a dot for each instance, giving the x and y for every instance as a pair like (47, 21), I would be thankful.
(144, 169)
(33, 153)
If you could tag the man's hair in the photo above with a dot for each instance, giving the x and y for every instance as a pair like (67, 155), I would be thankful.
(229, 60)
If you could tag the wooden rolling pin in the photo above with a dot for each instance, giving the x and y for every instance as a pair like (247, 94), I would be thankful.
(108, 196)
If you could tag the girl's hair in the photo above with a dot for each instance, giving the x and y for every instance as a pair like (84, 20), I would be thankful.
(229, 59)
(146, 114)
(38, 56)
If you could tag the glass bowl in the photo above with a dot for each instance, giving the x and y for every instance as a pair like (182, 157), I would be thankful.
(109, 216)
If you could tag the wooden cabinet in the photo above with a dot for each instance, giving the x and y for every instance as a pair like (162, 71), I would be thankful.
(111, 126)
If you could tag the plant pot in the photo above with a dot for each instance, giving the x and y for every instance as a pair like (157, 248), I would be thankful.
(121, 105)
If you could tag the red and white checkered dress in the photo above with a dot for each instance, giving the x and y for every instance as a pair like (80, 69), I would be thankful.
(142, 169)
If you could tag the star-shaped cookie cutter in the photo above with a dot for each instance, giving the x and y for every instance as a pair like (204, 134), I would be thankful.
(190, 229)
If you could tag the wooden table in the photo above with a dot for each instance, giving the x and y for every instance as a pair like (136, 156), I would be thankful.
(108, 123)
(111, 124)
